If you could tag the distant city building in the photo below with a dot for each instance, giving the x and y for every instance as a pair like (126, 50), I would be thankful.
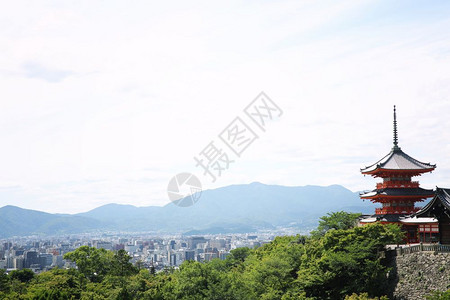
(18, 263)
(189, 255)
(57, 261)
(31, 258)
(131, 248)
(172, 244)
(223, 255)
(194, 241)
(217, 243)
(173, 259)
(103, 244)
(210, 256)
(46, 259)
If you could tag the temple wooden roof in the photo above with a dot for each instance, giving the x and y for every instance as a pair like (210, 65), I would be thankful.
(398, 161)
(398, 192)
(439, 203)
(383, 218)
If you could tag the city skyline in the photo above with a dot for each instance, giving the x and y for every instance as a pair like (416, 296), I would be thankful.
(148, 251)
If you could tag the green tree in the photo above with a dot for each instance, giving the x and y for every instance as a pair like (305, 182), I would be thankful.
(4, 281)
(147, 286)
(24, 275)
(271, 270)
(121, 265)
(152, 270)
(56, 284)
(238, 256)
(437, 295)
(336, 220)
(196, 280)
(364, 296)
(93, 263)
(347, 261)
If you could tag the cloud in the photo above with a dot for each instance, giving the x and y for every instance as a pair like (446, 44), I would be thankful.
(160, 84)
(34, 70)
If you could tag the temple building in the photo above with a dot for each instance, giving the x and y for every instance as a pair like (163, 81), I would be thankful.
(398, 194)
(433, 220)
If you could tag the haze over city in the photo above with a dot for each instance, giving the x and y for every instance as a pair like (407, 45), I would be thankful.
(105, 102)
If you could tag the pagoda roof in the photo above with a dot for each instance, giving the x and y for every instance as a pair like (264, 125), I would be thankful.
(398, 192)
(383, 218)
(441, 198)
(397, 161)
(416, 220)
(398, 218)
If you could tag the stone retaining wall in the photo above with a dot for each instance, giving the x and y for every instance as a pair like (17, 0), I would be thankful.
(417, 274)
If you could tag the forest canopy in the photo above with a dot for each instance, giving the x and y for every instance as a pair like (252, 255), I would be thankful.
(337, 261)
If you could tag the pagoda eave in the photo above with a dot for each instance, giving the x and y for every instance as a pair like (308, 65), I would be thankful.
(380, 172)
(389, 199)
(385, 198)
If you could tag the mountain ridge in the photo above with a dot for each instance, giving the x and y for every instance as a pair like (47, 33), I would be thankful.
(251, 206)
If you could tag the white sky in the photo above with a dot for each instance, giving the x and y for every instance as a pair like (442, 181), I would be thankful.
(104, 101)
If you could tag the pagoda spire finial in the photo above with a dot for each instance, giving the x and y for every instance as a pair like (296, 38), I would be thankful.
(396, 147)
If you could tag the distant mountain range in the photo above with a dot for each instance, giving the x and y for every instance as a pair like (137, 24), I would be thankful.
(230, 209)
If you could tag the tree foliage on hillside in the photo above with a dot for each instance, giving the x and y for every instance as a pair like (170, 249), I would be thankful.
(336, 220)
(339, 263)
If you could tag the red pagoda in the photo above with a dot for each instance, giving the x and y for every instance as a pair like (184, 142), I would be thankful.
(397, 193)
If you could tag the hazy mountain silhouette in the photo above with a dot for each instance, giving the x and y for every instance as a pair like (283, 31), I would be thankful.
(16, 221)
(235, 208)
